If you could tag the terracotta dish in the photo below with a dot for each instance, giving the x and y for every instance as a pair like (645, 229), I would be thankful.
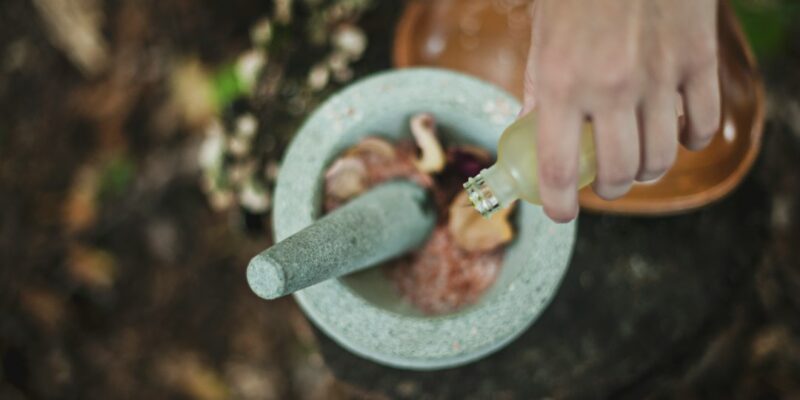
(490, 38)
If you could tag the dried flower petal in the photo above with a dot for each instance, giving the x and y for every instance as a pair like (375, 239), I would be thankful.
(467, 160)
(92, 267)
(474, 233)
(346, 178)
(423, 127)
(373, 147)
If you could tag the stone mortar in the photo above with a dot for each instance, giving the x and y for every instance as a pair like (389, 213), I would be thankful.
(363, 312)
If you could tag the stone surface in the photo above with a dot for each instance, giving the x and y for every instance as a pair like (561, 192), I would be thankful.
(382, 223)
(641, 296)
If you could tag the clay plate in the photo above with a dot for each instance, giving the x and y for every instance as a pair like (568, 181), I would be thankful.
(490, 38)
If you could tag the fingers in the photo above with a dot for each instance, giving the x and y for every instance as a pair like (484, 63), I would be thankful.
(616, 151)
(659, 135)
(701, 99)
(557, 153)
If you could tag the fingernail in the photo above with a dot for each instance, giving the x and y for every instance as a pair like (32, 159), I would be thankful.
(563, 206)
(650, 177)
(611, 192)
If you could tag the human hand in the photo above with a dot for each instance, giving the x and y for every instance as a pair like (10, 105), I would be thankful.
(623, 64)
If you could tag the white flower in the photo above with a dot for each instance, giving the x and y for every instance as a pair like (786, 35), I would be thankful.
(351, 40)
(254, 197)
(261, 32)
(249, 66)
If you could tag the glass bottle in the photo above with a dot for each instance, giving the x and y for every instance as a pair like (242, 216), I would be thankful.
(514, 175)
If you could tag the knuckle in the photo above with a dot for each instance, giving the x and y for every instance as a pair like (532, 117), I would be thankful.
(618, 77)
(616, 81)
(660, 74)
(703, 57)
(555, 175)
(555, 80)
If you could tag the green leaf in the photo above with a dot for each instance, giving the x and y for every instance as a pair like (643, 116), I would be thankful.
(767, 24)
(116, 177)
(227, 86)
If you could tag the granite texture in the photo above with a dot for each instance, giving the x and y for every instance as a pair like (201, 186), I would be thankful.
(383, 223)
(641, 301)
(363, 312)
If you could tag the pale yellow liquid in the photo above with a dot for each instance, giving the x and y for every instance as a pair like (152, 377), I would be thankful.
(515, 174)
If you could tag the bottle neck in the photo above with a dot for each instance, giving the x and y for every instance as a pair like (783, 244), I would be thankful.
(491, 190)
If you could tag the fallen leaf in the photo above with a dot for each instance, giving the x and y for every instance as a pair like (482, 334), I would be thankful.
(90, 266)
(45, 306)
(472, 232)
(80, 208)
(75, 27)
(189, 375)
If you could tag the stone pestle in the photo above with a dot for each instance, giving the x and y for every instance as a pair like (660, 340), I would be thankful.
(384, 222)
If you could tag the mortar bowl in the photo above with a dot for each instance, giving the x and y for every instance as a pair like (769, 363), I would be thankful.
(363, 312)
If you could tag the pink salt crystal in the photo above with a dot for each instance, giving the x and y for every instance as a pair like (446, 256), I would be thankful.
(441, 278)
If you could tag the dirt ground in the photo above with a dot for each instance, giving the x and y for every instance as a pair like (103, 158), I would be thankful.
(119, 279)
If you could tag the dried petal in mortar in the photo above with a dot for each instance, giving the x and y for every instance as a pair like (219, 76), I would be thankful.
(373, 147)
(468, 160)
(346, 178)
(423, 128)
(474, 233)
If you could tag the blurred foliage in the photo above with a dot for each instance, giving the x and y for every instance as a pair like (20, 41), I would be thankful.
(227, 86)
(116, 177)
(767, 24)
